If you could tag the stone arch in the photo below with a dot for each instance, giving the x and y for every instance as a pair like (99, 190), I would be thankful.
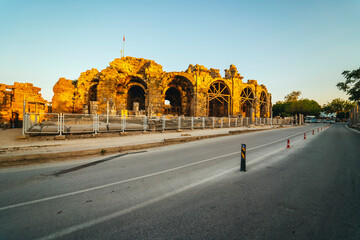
(247, 100)
(263, 104)
(136, 80)
(179, 91)
(169, 78)
(219, 99)
(129, 90)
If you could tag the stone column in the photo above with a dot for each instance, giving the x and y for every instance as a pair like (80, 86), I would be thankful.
(93, 107)
(135, 108)
(268, 110)
(85, 109)
(256, 106)
(252, 116)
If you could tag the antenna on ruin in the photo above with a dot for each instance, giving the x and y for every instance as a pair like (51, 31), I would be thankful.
(123, 50)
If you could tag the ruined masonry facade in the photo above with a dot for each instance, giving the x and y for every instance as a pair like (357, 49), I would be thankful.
(12, 102)
(136, 86)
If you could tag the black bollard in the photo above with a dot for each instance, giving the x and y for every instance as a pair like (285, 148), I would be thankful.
(243, 158)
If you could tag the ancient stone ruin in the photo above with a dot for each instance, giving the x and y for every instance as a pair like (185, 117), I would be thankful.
(137, 86)
(12, 102)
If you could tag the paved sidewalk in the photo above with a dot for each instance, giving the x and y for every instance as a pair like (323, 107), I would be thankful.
(15, 151)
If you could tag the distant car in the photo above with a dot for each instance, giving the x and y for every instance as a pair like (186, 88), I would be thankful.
(329, 121)
(310, 119)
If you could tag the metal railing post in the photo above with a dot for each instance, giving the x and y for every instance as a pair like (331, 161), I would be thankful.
(213, 122)
(192, 123)
(236, 120)
(203, 122)
(123, 121)
(28, 124)
(179, 123)
(94, 123)
(60, 123)
(24, 123)
(145, 122)
(107, 112)
(97, 124)
(163, 124)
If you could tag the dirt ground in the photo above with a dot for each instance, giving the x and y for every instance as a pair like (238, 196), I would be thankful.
(8, 136)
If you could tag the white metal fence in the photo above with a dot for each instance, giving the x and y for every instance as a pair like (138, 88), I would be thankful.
(69, 123)
(45, 123)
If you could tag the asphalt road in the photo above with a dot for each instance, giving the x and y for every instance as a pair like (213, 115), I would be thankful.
(195, 191)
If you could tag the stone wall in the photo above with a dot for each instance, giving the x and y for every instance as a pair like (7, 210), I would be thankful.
(63, 100)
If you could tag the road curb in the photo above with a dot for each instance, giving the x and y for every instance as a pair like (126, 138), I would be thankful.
(15, 160)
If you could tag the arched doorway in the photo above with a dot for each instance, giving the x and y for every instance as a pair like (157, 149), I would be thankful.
(246, 101)
(93, 93)
(178, 96)
(172, 101)
(262, 105)
(92, 105)
(218, 99)
(136, 94)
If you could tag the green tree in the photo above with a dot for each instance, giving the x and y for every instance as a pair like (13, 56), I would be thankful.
(282, 108)
(290, 108)
(351, 85)
(304, 106)
(293, 96)
(279, 109)
(326, 108)
(338, 106)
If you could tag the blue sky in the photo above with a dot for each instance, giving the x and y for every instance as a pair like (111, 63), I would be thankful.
(285, 45)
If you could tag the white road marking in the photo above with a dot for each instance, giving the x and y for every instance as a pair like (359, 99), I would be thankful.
(114, 183)
(93, 222)
(137, 178)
